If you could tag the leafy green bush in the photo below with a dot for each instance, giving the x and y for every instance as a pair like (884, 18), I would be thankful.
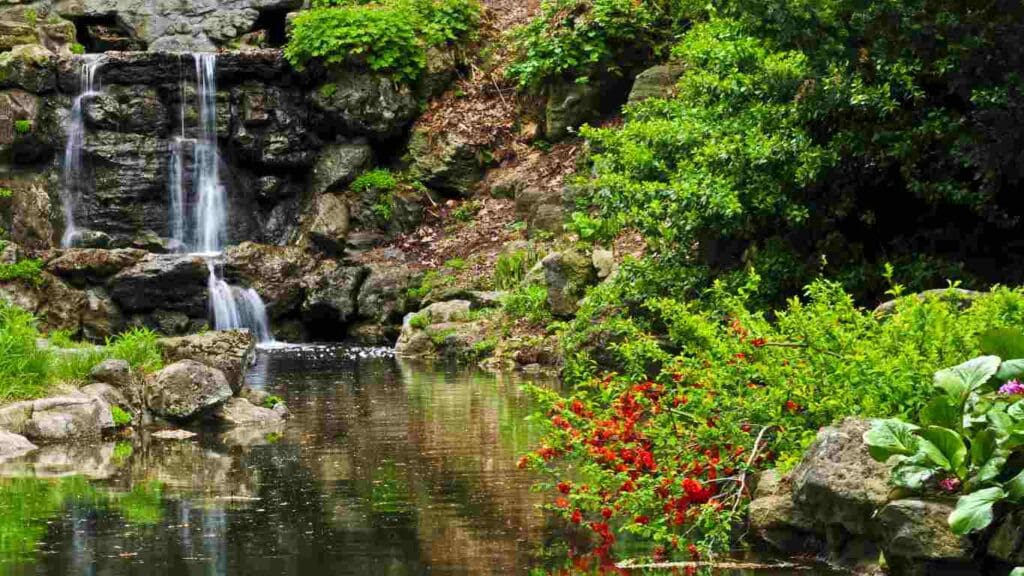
(511, 268)
(707, 392)
(121, 418)
(29, 269)
(22, 126)
(528, 301)
(378, 179)
(389, 36)
(419, 321)
(272, 401)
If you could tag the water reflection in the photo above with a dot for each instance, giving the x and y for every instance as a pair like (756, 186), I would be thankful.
(385, 468)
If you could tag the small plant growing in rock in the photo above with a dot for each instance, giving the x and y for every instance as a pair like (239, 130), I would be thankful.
(23, 126)
(6, 193)
(121, 418)
(466, 211)
(456, 264)
(77, 49)
(419, 321)
(510, 269)
(272, 401)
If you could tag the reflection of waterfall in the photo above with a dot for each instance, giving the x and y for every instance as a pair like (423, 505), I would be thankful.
(73, 181)
(198, 221)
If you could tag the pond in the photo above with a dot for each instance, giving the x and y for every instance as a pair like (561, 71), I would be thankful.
(384, 468)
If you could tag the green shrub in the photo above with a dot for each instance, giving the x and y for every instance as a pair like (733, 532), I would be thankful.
(530, 302)
(419, 321)
(466, 211)
(710, 391)
(456, 264)
(389, 36)
(24, 368)
(29, 270)
(121, 418)
(77, 48)
(378, 179)
(6, 193)
(510, 269)
(272, 401)
(138, 347)
(22, 126)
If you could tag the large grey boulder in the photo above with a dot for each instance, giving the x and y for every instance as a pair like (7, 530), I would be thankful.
(384, 296)
(117, 373)
(445, 163)
(82, 266)
(775, 518)
(14, 445)
(365, 104)
(230, 352)
(67, 418)
(917, 539)
(137, 109)
(567, 275)
(333, 300)
(185, 390)
(241, 412)
(570, 105)
(280, 274)
(338, 165)
(29, 66)
(838, 484)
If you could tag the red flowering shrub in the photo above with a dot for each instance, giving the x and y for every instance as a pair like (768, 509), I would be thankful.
(669, 459)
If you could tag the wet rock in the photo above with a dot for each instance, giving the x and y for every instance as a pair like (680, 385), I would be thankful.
(130, 183)
(65, 418)
(327, 226)
(655, 82)
(29, 223)
(279, 274)
(364, 104)
(451, 311)
(445, 163)
(230, 352)
(453, 339)
(82, 266)
(185, 390)
(137, 109)
(241, 412)
(14, 445)
(107, 393)
(169, 322)
(59, 306)
(13, 33)
(442, 67)
(384, 296)
(168, 282)
(917, 539)
(333, 300)
(29, 66)
(271, 126)
(338, 165)
(117, 373)
(567, 275)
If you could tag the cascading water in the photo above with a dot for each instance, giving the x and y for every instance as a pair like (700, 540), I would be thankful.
(72, 176)
(199, 221)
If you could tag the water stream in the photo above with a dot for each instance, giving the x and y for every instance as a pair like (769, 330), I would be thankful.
(73, 180)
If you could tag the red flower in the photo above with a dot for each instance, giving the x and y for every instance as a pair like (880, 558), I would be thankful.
(522, 462)
(606, 512)
(792, 407)
(564, 487)
(577, 516)
(641, 519)
(561, 502)
(758, 342)
(694, 553)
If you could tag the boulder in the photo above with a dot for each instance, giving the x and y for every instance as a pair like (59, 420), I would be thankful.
(445, 163)
(163, 281)
(185, 390)
(82, 266)
(453, 339)
(442, 67)
(30, 206)
(338, 165)
(327, 224)
(569, 106)
(567, 275)
(13, 417)
(230, 352)
(333, 300)
(117, 373)
(60, 306)
(384, 296)
(655, 82)
(1007, 542)
(450, 311)
(136, 109)
(241, 412)
(355, 102)
(13, 445)
(604, 262)
(916, 539)
(66, 418)
(101, 317)
(542, 209)
(13, 33)
(29, 66)
(280, 274)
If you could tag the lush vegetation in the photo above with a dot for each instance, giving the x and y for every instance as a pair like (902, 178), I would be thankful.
(390, 36)
(27, 371)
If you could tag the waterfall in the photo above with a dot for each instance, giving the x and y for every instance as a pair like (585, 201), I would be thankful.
(72, 177)
(199, 218)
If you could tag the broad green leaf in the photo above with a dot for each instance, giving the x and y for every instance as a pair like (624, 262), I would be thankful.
(1011, 370)
(942, 411)
(983, 447)
(888, 438)
(959, 381)
(990, 471)
(1016, 411)
(1002, 342)
(933, 454)
(1000, 422)
(912, 473)
(950, 444)
(974, 511)
(1015, 488)
(1018, 571)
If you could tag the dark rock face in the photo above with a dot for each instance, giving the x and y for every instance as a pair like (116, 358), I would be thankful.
(159, 281)
(333, 300)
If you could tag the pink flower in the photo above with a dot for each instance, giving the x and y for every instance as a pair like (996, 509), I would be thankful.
(949, 485)
(1012, 388)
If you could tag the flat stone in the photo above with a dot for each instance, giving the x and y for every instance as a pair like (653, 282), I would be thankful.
(173, 434)
(241, 412)
(114, 372)
(67, 418)
(14, 445)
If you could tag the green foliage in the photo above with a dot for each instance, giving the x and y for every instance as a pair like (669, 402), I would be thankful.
(24, 368)
(22, 126)
(529, 302)
(29, 270)
(572, 38)
(121, 418)
(456, 264)
(143, 505)
(272, 401)
(77, 48)
(432, 280)
(707, 391)
(389, 36)
(31, 17)
(511, 268)
(6, 193)
(382, 183)
(328, 90)
(466, 211)
(419, 321)
(138, 347)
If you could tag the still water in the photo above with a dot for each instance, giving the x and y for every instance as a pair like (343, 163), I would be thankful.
(385, 468)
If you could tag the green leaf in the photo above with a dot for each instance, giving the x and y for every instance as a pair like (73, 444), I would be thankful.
(1018, 571)
(1000, 422)
(1016, 411)
(912, 473)
(887, 438)
(959, 381)
(949, 445)
(942, 411)
(1002, 342)
(1010, 370)
(983, 447)
(974, 511)
(990, 471)
(1015, 488)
